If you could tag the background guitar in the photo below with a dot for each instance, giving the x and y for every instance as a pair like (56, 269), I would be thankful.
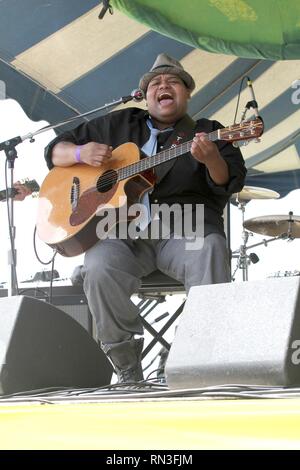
(31, 185)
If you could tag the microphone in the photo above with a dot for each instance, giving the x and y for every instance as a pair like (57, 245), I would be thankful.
(137, 95)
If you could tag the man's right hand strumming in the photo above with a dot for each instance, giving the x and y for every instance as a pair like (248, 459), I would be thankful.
(92, 153)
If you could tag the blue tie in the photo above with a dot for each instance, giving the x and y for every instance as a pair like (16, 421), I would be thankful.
(150, 148)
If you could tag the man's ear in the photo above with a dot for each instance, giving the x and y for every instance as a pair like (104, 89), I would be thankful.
(188, 93)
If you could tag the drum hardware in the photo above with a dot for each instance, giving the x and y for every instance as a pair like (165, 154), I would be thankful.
(241, 254)
(241, 199)
(266, 225)
(244, 259)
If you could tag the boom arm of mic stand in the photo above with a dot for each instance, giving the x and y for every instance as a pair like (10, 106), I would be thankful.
(11, 143)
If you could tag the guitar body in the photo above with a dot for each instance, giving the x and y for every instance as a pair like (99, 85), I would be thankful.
(72, 198)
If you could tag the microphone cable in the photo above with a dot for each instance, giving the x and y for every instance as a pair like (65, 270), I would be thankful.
(51, 261)
(238, 98)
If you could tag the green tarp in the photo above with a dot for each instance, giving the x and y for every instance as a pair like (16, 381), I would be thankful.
(264, 29)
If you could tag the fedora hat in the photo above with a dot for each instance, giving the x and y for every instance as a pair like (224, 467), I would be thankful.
(165, 64)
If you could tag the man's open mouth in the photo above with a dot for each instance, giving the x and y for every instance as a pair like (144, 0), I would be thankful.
(165, 99)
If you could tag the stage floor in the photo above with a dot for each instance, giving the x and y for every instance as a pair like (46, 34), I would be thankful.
(145, 423)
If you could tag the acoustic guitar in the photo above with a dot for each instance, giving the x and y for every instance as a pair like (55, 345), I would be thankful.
(72, 198)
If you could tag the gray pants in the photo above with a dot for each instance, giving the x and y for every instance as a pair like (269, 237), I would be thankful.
(113, 269)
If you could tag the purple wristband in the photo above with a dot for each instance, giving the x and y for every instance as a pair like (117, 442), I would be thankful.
(77, 154)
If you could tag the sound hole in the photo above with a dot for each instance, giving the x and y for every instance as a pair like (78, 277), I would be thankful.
(107, 181)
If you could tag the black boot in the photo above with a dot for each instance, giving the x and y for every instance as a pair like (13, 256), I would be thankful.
(126, 358)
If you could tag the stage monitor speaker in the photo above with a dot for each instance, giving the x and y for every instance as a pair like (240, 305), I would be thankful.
(70, 299)
(238, 333)
(42, 347)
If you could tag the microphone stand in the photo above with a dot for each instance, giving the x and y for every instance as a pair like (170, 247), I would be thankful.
(9, 148)
(12, 289)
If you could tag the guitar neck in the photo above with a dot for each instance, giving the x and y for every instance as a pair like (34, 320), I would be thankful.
(244, 131)
(161, 157)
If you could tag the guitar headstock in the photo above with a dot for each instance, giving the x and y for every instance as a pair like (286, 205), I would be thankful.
(246, 130)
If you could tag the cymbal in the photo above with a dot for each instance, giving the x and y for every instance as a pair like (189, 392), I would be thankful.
(254, 192)
(274, 225)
